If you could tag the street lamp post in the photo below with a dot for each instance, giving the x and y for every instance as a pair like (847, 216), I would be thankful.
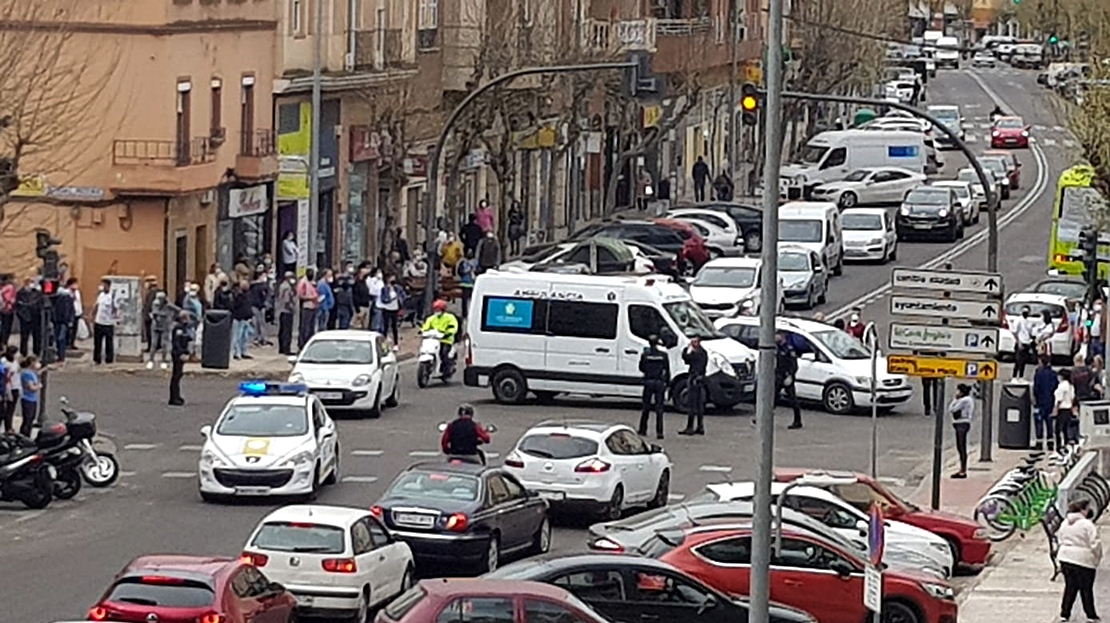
(871, 337)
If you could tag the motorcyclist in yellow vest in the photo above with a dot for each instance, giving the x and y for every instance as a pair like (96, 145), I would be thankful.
(446, 324)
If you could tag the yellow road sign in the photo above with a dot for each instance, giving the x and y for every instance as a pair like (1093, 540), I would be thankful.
(937, 367)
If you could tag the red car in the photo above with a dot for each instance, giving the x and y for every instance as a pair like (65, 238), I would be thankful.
(193, 589)
(811, 574)
(1013, 165)
(968, 541)
(1009, 132)
(694, 250)
(503, 601)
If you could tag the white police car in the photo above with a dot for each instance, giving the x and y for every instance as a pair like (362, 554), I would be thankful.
(271, 439)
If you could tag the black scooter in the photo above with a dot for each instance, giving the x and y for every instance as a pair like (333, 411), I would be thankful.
(480, 458)
(25, 476)
(68, 448)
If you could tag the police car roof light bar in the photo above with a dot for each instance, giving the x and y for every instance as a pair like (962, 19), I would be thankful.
(268, 388)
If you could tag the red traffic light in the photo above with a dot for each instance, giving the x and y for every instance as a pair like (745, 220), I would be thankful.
(50, 287)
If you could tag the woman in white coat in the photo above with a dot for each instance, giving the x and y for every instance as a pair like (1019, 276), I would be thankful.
(1079, 556)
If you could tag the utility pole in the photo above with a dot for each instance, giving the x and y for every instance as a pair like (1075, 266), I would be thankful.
(760, 589)
(733, 77)
(314, 149)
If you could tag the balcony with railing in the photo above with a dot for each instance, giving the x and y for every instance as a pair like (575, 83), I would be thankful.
(379, 50)
(164, 167)
(257, 158)
(606, 37)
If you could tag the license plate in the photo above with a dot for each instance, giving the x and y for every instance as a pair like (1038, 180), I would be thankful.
(251, 490)
(553, 495)
(922, 226)
(330, 395)
(424, 521)
(747, 387)
(305, 600)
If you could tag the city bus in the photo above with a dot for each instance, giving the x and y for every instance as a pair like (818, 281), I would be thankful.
(1074, 208)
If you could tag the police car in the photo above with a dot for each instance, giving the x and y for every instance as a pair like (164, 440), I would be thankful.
(271, 439)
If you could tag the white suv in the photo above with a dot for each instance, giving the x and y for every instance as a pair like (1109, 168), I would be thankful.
(834, 368)
(603, 467)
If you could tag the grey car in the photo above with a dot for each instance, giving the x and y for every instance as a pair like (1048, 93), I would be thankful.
(805, 282)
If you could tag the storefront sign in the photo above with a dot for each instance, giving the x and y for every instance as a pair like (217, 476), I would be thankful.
(75, 193)
(303, 209)
(416, 166)
(31, 186)
(365, 144)
(293, 178)
(247, 201)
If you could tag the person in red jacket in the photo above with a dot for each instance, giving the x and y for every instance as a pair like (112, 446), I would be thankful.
(463, 436)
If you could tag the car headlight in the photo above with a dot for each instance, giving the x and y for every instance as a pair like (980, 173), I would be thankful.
(719, 360)
(746, 304)
(875, 241)
(905, 211)
(296, 377)
(1025, 134)
(360, 380)
(996, 134)
(939, 591)
(300, 458)
(943, 213)
(863, 380)
(800, 178)
(209, 458)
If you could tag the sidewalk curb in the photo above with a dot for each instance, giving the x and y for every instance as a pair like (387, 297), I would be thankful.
(198, 372)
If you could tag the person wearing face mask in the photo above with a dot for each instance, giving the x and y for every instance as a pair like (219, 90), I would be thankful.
(855, 326)
(222, 298)
(29, 308)
(343, 291)
(1098, 320)
(105, 316)
(1024, 345)
(1079, 555)
(489, 253)
(286, 308)
(360, 297)
(324, 313)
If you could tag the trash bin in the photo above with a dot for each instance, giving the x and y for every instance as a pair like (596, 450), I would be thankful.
(1015, 415)
(215, 348)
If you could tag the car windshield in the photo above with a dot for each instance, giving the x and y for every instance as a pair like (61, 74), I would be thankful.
(1036, 310)
(928, 197)
(544, 254)
(434, 485)
(947, 115)
(961, 190)
(725, 277)
(842, 345)
(969, 175)
(282, 536)
(858, 175)
(862, 222)
(339, 352)
(812, 154)
(691, 320)
(557, 446)
(1069, 289)
(264, 420)
(164, 592)
(807, 230)
(996, 166)
(793, 262)
(1011, 123)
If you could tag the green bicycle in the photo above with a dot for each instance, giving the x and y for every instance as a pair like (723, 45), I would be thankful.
(1010, 513)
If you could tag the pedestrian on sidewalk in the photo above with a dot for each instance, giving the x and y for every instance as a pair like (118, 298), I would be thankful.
(309, 300)
(962, 410)
(75, 331)
(489, 253)
(1045, 381)
(389, 306)
(700, 173)
(343, 291)
(7, 309)
(471, 234)
(29, 305)
(64, 320)
(149, 294)
(289, 252)
(324, 317)
(105, 316)
(655, 365)
(29, 387)
(1079, 555)
(485, 218)
(6, 404)
(286, 308)
(697, 360)
(468, 270)
(11, 362)
(161, 322)
(193, 306)
(259, 295)
(241, 316)
(1024, 350)
(360, 297)
(181, 340)
(786, 370)
(517, 228)
(1063, 408)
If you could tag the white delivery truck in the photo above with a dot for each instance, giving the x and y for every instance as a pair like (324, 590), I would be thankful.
(831, 156)
(551, 333)
(948, 52)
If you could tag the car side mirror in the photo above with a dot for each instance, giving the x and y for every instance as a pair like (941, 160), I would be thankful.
(656, 448)
(707, 605)
(842, 568)
(292, 359)
(205, 431)
(863, 527)
(808, 357)
(819, 268)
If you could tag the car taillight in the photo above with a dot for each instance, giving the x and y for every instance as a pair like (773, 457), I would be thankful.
(457, 522)
(212, 617)
(469, 354)
(98, 614)
(255, 559)
(377, 511)
(339, 565)
(1064, 325)
(592, 466)
(514, 460)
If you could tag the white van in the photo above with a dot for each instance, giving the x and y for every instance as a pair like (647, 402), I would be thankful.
(831, 156)
(814, 225)
(948, 52)
(550, 333)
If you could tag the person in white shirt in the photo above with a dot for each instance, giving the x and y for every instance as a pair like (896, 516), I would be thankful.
(105, 316)
(962, 410)
(78, 308)
(389, 306)
(289, 252)
(1023, 329)
(1064, 409)
(374, 284)
(1043, 336)
(1079, 556)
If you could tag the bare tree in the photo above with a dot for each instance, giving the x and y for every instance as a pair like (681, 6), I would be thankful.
(50, 82)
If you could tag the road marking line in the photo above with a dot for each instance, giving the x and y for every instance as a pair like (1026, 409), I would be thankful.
(720, 469)
(140, 446)
(190, 448)
(676, 497)
(1004, 220)
(1059, 128)
(126, 474)
(492, 455)
(179, 475)
(1032, 139)
(970, 139)
(424, 453)
(363, 479)
(1040, 128)
(1048, 142)
(1068, 142)
(366, 452)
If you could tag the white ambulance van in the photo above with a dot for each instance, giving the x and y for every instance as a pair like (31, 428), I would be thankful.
(550, 334)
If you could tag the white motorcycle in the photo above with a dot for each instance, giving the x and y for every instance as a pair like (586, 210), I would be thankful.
(428, 363)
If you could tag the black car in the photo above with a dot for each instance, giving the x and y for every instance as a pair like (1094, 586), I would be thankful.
(748, 219)
(930, 211)
(633, 589)
(659, 236)
(460, 514)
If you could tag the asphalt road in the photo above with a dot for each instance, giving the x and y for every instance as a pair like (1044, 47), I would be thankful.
(57, 561)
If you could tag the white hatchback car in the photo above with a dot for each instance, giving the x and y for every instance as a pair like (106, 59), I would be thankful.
(869, 234)
(1062, 344)
(834, 368)
(273, 439)
(729, 286)
(337, 561)
(903, 541)
(606, 468)
(349, 371)
(724, 235)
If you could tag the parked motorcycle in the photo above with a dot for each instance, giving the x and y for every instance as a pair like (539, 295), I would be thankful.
(490, 428)
(89, 456)
(428, 363)
(68, 448)
(25, 476)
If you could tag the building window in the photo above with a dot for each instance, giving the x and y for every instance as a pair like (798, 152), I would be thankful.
(216, 131)
(428, 25)
(297, 17)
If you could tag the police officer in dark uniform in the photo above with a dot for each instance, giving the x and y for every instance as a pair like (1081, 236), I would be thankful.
(786, 368)
(180, 339)
(463, 435)
(697, 360)
(655, 365)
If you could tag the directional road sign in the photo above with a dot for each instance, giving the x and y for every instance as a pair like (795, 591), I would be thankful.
(938, 367)
(989, 284)
(872, 589)
(978, 340)
(952, 309)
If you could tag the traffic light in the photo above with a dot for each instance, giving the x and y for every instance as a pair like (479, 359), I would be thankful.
(50, 287)
(641, 83)
(44, 249)
(749, 103)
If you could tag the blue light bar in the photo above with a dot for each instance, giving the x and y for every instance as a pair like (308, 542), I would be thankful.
(268, 388)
